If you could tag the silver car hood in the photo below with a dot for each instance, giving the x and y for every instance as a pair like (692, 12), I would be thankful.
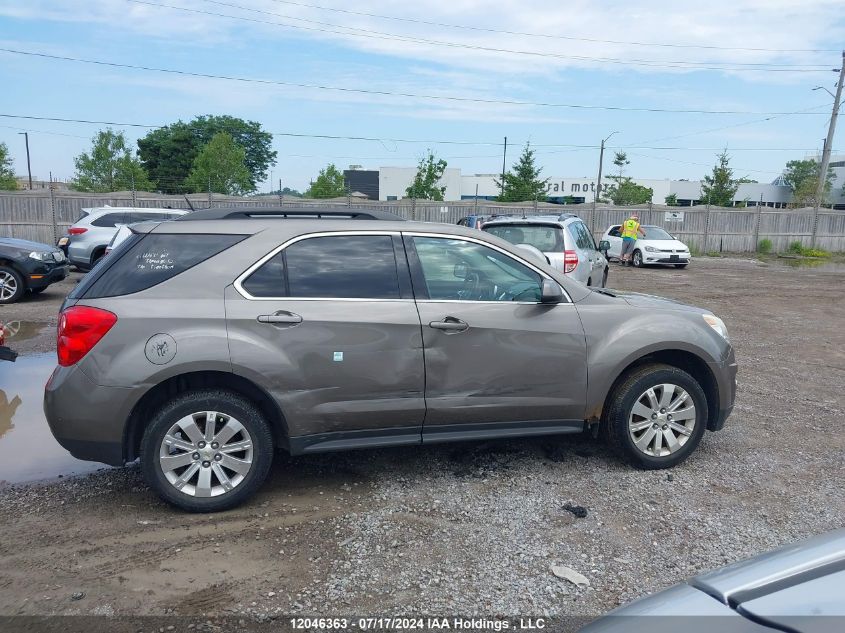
(641, 300)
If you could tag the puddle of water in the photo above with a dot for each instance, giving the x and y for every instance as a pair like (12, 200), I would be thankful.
(16, 331)
(28, 451)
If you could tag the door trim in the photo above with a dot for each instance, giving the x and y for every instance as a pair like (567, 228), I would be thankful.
(493, 430)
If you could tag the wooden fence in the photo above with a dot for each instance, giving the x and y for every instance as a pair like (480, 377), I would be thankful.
(43, 216)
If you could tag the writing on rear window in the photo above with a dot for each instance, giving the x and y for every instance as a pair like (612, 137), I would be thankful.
(155, 261)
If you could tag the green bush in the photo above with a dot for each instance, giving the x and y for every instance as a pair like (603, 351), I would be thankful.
(814, 252)
(765, 246)
(796, 248)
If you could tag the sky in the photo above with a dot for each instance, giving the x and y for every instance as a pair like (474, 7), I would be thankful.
(676, 82)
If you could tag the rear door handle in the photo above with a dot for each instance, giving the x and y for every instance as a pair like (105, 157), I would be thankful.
(280, 318)
(450, 324)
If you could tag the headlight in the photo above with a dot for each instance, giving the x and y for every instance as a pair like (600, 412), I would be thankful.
(42, 256)
(717, 324)
(651, 249)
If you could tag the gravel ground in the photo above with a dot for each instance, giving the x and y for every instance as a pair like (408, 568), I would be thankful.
(474, 528)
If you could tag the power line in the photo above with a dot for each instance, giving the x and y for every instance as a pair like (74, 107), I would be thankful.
(556, 37)
(739, 66)
(379, 92)
(420, 141)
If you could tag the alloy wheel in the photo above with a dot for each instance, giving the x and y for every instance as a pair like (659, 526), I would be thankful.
(206, 454)
(8, 286)
(662, 420)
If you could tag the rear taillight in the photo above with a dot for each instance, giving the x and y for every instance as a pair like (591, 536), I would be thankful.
(570, 261)
(76, 230)
(80, 329)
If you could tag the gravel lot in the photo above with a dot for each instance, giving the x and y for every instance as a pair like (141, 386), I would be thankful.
(470, 528)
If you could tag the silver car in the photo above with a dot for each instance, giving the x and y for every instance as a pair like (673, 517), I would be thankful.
(798, 588)
(92, 232)
(564, 239)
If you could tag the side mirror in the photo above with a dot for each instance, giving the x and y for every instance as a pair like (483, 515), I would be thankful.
(604, 246)
(460, 271)
(550, 292)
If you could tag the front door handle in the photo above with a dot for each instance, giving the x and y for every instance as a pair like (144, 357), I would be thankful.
(450, 325)
(280, 318)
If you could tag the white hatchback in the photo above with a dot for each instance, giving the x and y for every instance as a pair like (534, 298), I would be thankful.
(656, 247)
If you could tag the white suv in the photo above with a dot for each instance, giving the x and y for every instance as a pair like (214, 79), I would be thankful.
(564, 239)
(92, 232)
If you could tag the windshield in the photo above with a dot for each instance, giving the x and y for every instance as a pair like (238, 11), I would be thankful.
(656, 233)
(544, 238)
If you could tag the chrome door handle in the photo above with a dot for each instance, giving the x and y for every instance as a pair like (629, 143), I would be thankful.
(450, 324)
(280, 318)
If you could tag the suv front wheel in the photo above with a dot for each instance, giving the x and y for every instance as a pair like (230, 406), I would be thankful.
(656, 416)
(206, 450)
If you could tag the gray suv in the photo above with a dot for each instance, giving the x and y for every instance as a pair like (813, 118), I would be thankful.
(202, 345)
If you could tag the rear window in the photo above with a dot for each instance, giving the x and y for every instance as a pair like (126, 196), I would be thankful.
(545, 238)
(153, 259)
(346, 267)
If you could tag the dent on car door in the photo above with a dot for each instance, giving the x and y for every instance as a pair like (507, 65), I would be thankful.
(497, 360)
(329, 326)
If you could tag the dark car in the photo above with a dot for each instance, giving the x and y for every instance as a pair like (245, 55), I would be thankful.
(28, 266)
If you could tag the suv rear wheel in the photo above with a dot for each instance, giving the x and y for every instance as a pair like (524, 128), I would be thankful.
(206, 451)
(656, 416)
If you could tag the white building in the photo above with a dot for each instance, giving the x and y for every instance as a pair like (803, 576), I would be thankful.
(393, 182)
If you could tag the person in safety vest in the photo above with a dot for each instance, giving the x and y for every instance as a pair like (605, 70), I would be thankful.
(629, 229)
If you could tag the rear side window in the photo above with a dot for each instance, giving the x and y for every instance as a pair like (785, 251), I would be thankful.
(110, 219)
(614, 232)
(153, 259)
(337, 267)
(141, 216)
(581, 234)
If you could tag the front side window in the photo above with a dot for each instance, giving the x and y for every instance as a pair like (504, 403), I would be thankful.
(330, 267)
(455, 269)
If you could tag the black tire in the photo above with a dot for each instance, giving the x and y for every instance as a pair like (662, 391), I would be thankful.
(15, 278)
(604, 278)
(637, 259)
(681, 265)
(96, 257)
(621, 402)
(589, 282)
(229, 404)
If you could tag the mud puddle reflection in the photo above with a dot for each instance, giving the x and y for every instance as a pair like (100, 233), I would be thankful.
(28, 451)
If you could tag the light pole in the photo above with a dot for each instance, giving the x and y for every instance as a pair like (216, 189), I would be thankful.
(598, 180)
(828, 145)
(28, 168)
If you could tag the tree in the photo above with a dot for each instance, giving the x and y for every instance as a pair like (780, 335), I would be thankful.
(624, 191)
(802, 176)
(287, 191)
(168, 153)
(7, 170)
(429, 173)
(671, 200)
(523, 183)
(719, 188)
(221, 166)
(329, 184)
(110, 166)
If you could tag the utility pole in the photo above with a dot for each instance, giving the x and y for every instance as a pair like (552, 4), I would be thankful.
(827, 147)
(504, 160)
(280, 192)
(28, 168)
(598, 180)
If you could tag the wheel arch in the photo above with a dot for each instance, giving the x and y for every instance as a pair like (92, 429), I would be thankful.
(174, 385)
(686, 360)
